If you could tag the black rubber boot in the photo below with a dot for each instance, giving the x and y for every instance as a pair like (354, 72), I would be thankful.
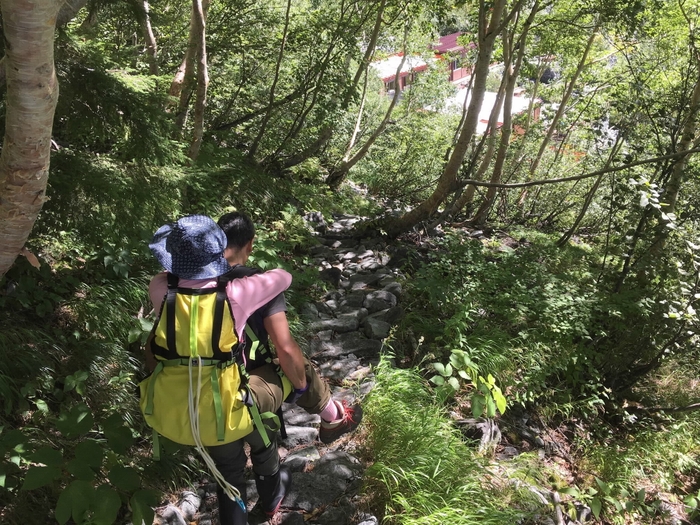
(272, 489)
(230, 512)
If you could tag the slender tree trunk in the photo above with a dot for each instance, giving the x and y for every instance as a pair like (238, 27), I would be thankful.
(184, 80)
(673, 186)
(338, 174)
(446, 183)
(202, 79)
(511, 75)
(591, 193)
(367, 57)
(263, 124)
(560, 111)
(358, 122)
(492, 130)
(327, 131)
(151, 44)
(32, 92)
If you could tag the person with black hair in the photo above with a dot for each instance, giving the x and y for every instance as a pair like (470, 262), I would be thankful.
(310, 392)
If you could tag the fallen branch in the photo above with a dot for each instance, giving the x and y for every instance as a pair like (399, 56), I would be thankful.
(577, 177)
(689, 408)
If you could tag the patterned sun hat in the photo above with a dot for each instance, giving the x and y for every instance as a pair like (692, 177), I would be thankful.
(191, 248)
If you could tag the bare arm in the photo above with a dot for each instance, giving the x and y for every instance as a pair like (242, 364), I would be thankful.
(288, 351)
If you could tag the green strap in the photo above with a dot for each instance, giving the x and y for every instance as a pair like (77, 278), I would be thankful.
(194, 319)
(156, 445)
(151, 388)
(257, 420)
(254, 339)
(216, 391)
(274, 419)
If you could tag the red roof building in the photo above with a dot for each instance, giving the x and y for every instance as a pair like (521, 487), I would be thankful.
(448, 45)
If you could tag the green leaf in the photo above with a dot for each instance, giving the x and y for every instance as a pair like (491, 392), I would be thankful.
(76, 422)
(13, 438)
(63, 507)
(69, 384)
(570, 491)
(141, 506)
(40, 476)
(603, 486)
(119, 436)
(134, 335)
(48, 456)
(90, 453)
(691, 501)
(124, 478)
(641, 495)
(75, 498)
(500, 400)
(464, 375)
(453, 383)
(3, 475)
(596, 506)
(477, 405)
(80, 470)
(490, 407)
(106, 505)
(42, 406)
(448, 370)
(437, 380)
(440, 368)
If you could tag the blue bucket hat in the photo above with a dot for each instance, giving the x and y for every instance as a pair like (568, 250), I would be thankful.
(191, 248)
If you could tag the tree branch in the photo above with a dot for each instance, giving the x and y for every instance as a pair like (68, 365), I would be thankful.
(578, 177)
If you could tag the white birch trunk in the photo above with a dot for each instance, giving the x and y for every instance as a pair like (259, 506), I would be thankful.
(32, 92)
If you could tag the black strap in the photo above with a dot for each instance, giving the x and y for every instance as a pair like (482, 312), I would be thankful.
(283, 429)
(221, 299)
(173, 281)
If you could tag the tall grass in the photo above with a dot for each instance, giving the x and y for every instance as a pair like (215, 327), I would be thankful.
(423, 471)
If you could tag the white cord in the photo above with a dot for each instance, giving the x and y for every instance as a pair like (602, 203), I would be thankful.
(193, 402)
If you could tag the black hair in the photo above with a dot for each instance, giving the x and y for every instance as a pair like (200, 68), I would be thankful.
(238, 227)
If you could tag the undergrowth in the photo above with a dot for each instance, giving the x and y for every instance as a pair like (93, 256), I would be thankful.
(423, 470)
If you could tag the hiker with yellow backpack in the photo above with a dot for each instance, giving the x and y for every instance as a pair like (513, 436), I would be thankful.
(199, 392)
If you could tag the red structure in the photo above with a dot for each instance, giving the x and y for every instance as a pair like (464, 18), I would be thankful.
(448, 45)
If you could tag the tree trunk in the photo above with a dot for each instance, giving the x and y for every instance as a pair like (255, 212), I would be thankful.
(263, 125)
(358, 122)
(32, 92)
(673, 186)
(327, 131)
(338, 174)
(183, 82)
(202, 78)
(151, 45)
(589, 196)
(68, 12)
(446, 183)
(492, 130)
(511, 75)
(560, 111)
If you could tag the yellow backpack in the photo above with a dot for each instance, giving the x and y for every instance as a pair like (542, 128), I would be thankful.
(197, 394)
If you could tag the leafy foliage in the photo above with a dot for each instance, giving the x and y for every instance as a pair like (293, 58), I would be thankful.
(441, 479)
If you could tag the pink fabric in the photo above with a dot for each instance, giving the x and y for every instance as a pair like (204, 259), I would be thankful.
(331, 412)
(246, 294)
